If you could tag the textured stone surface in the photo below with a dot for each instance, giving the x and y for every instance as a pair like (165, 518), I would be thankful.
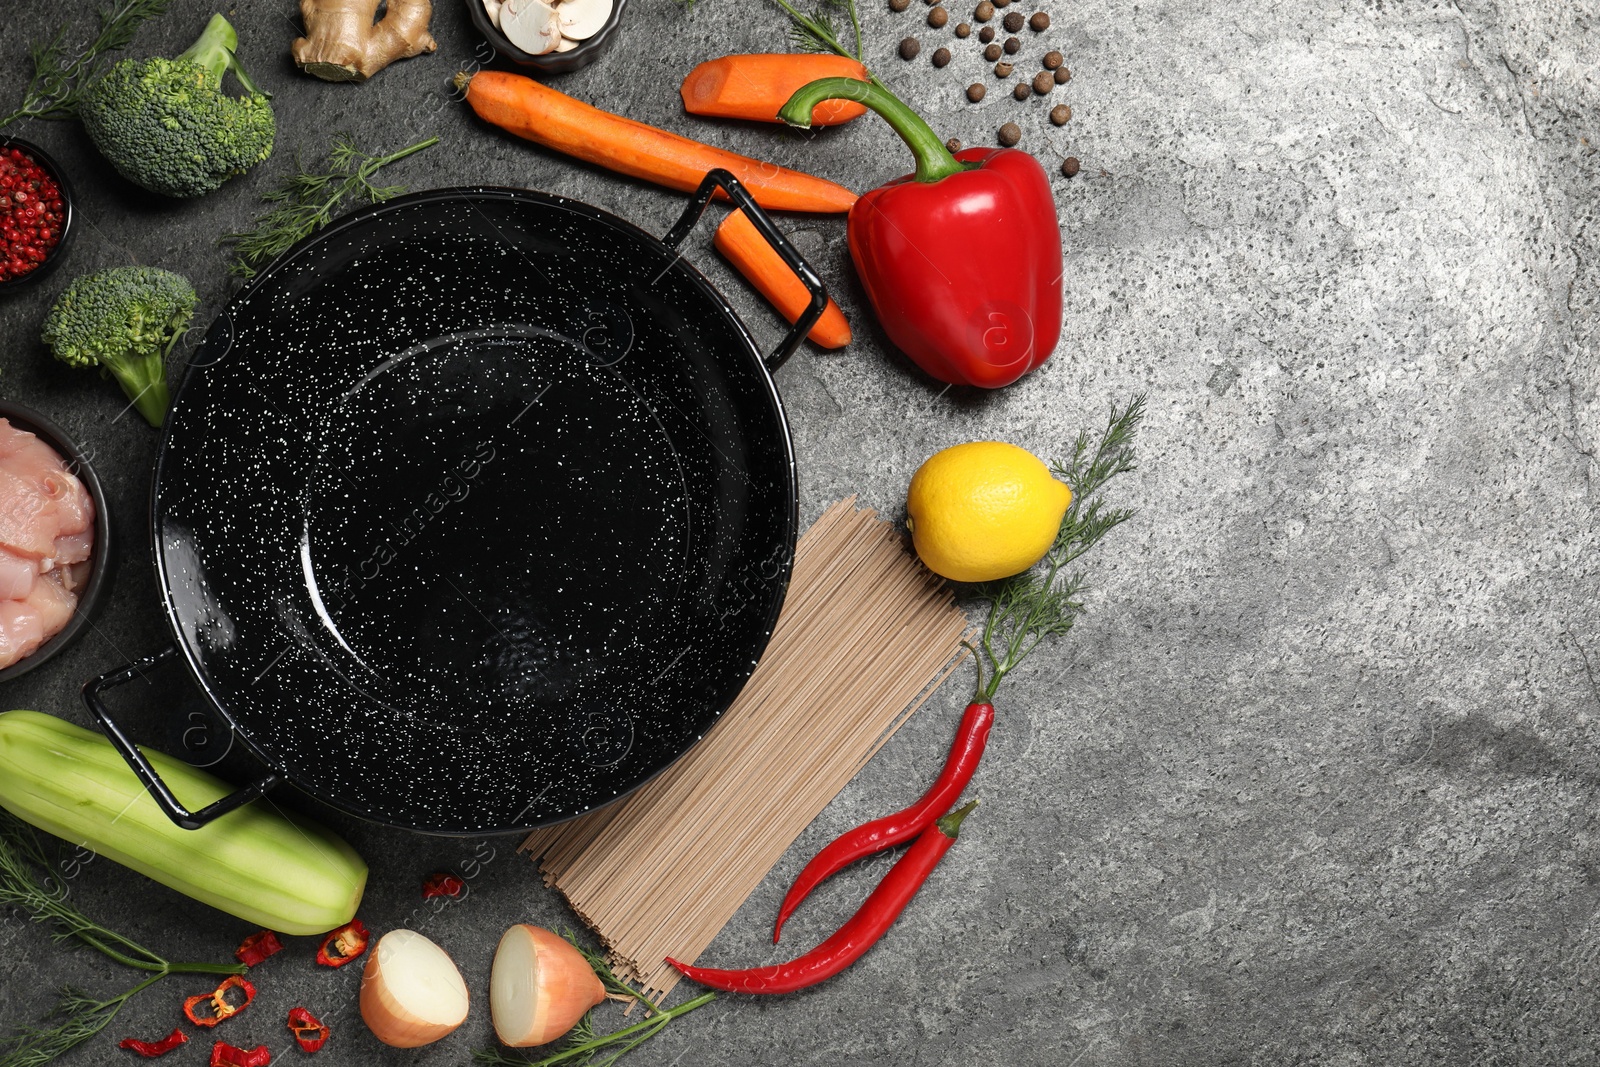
(1314, 782)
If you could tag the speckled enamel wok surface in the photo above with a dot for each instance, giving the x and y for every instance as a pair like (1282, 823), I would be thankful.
(473, 512)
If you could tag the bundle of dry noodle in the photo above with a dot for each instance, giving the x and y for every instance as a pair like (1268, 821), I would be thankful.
(866, 635)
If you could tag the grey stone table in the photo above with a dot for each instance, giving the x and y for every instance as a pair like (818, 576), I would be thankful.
(1314, 780)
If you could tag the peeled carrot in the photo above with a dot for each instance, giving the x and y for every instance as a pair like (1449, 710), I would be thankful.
(551, 118)
(756, 86)
(739, 240)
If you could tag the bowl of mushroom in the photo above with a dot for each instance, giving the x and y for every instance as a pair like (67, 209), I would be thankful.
(551, 36)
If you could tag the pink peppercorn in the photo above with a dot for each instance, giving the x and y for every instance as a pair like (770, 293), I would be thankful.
(31, 213)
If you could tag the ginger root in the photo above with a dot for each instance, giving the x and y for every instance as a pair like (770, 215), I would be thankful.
(345, 41)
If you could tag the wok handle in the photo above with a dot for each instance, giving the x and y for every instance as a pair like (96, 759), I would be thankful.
(142, 769)
(780, 244)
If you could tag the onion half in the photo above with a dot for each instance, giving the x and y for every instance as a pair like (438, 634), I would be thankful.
(540, 987)
(411, 992)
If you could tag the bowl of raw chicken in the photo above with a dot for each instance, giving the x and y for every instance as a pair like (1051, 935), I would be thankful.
(548, 36)
(54, 540)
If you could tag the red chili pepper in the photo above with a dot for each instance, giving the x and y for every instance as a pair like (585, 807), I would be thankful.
(151, 1049)
(225, 1055)
(227, 1000)
(875, 836)
(310, 1033)
(442, 884)
(859, 933)
(258, 947)
(962, 316)
(343, 945)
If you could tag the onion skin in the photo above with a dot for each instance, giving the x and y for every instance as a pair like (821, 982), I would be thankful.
(564, 988)
(388, 1019)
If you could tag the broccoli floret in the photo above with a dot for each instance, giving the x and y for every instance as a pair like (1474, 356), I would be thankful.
(166, 124)
(126, 320)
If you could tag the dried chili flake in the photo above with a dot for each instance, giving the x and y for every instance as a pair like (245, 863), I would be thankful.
(258, 947)
(151, 1049)
(225, 1055)
(343, 945)
(442, 884)
(310, 1033)
(227, 1000)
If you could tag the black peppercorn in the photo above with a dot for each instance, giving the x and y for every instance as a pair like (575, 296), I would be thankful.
(984, 11)
(992, 53)
(1002, 70)
(1021, 91)
(975, 92)
(986, 34)
(963, 29)
(909, 48)
(1013, 46)
(1053, 59)
(1010, 134)
(1043, 82)
(938, 17)
(941, 57)
(1039, 22)
(1061, 114)
(1063, 75)
(899, 5)
(1070, 166)
(1012, 22)
(953, 145)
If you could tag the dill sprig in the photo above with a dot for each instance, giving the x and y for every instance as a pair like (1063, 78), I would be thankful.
(1043, 602)
(25, 886)
(80, 1015)
(306, 201)
(817, 32)
(58, 81)
(583, 1044)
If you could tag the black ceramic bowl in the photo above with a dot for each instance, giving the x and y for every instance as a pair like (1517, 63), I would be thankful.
(59, 252)
(101, 556)
(551, 62)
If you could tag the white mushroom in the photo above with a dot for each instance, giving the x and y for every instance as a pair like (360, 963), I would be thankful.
(582, 19)
(493, 8)
(531, 25)
(567, 44)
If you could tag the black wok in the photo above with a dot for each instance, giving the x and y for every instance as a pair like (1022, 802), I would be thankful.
(473, 512)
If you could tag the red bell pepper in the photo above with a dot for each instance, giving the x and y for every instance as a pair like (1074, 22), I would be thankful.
(961, 260)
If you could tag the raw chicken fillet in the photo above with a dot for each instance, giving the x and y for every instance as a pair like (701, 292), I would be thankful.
(46, 538)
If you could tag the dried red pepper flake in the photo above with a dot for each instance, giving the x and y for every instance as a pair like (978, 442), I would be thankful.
(310, 1033)
(258, 947)
(225, 1055)
(343, 945)
(151, 1049)
(227, 1000)
(442, 884)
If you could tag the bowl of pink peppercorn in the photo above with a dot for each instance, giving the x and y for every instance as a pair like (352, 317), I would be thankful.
(35, 213)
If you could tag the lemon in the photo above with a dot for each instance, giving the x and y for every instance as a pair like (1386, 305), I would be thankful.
(984, 510)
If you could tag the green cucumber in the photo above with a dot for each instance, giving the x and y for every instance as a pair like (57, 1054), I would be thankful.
(277, 871)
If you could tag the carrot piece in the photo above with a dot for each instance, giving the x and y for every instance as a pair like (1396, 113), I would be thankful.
(756, 86)
(739, 240)
(551, 118)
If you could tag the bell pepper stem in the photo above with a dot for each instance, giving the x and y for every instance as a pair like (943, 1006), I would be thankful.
(934, 160)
